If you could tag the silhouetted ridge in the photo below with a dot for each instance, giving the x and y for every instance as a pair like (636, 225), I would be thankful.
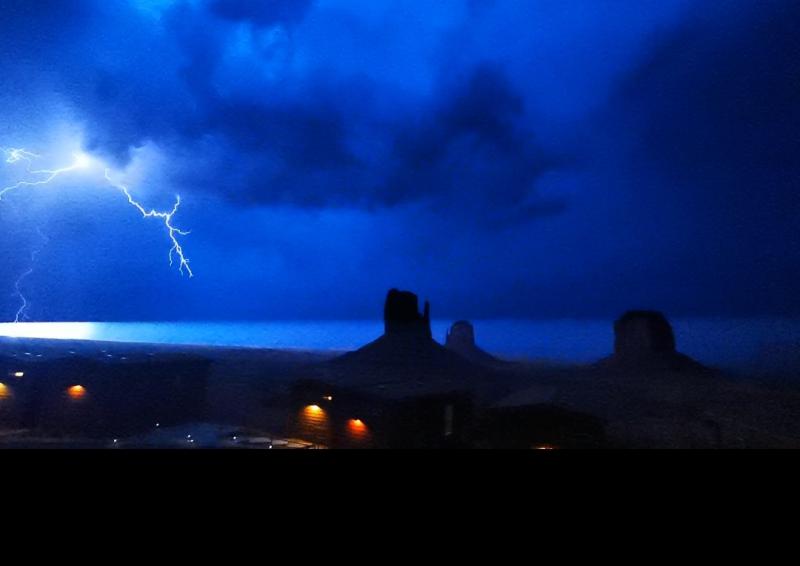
(406, 359)
(461, 340)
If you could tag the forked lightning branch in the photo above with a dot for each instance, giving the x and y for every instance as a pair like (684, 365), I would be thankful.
(36, 177)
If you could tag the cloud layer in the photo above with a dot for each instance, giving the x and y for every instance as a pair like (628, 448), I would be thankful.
(514, 158)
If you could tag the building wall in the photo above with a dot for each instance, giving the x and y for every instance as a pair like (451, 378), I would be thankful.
(103, 400)
(353, 420)
(540, 426)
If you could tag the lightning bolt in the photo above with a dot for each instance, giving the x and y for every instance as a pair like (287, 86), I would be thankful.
(18, 293)
(176, 249)
(13, 155)
(82, 161)
(21, 312)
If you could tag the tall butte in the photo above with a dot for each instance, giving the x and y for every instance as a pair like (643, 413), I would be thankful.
(401, 315)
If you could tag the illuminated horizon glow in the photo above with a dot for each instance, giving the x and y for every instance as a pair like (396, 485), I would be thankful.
(49, 330)
(84, 161)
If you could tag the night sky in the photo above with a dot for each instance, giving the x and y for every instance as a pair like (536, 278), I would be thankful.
(515, 158)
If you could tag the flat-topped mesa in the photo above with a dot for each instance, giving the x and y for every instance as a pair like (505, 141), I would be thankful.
(643, 340)
(401, 315)
(643, 334)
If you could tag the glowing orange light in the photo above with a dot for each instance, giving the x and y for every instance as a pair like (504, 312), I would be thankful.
(19, 374)
(76, 392)
(4, 391)
(358, 433)
(314, 409)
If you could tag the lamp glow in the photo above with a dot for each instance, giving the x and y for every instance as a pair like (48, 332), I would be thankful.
(76, 392)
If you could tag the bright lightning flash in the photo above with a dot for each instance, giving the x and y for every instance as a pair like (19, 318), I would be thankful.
(83, 161)
(13, 155)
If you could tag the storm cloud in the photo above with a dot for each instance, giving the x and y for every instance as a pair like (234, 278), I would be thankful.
(588, 155)
(297, 136)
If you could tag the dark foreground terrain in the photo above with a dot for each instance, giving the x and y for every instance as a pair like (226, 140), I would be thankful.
(402, 390)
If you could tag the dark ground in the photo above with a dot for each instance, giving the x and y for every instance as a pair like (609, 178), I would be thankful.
(659, 408)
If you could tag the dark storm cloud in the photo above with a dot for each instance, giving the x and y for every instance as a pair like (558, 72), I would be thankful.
(43, 21)
(262, 13)
(588, 154)
(722, 94)
(717, 120)
(473, 145)
(309, 139)
(714, 122)
(466, 147)
(465, 143)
